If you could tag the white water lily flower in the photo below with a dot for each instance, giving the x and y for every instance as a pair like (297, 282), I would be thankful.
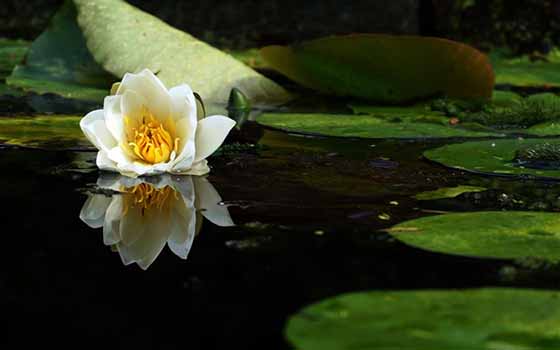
(146, 129)
(148, 213)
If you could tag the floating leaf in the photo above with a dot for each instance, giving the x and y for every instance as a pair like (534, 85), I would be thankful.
(481, 319)
(448, 192)
(522, 71)
(56, 132)
(505, 98)
(59, 62)
(125, 39)
(494, 157)
(501, 235)
(418, 110)
(385, 68)
(367, 126)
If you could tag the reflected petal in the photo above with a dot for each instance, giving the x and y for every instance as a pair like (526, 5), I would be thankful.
(140, 222)
(208, 202)
(146, 247)
(182, 230)
(111, 225)
(93, 210)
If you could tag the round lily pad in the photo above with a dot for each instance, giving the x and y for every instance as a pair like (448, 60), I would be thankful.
(494, 157)
(501, 235)
(481, 319)
(369, 126)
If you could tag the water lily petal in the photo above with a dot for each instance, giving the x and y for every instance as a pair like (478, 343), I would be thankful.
(117, 155)
(197, 169)
(135, 169)
(113, 117)
(104, 163)
(154, 93)
(185, 160)
(130, 167)
(94, 128)
(93, 210)
(210, 134)
(184, 106)
(208, 202)
(183, 102)
(131, 108)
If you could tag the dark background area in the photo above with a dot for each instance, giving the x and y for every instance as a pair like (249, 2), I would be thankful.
(522, 25)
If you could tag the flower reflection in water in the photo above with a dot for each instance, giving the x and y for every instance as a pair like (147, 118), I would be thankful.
(144, 214)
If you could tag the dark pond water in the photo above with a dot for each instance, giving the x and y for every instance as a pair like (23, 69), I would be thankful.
(310, 215)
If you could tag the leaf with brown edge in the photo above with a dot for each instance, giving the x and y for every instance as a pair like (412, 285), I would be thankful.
(385, 68)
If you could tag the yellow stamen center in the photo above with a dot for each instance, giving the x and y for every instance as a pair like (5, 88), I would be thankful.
(150, 141)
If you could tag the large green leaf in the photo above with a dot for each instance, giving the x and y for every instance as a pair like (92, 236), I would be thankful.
(124, 39)
(56, 132)
(523, 71)
(479, 319)
(385, 68)
(395, 125)
(504, 235)
(490, 157)
(59, 62)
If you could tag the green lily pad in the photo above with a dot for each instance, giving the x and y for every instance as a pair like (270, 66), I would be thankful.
(368, 126)
(481, 319)
(500, 235)
(12, 52)
(493, 157)
(59, 62)
(385, 68)
(505, 98)
(448, 192)
(417, 110)
(522, 71)
(52, 131)
(125, 39)
(545, 129)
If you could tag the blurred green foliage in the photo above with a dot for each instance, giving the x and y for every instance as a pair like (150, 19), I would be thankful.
(525, 26)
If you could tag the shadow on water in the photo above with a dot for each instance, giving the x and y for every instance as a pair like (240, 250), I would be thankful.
(309, 215)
